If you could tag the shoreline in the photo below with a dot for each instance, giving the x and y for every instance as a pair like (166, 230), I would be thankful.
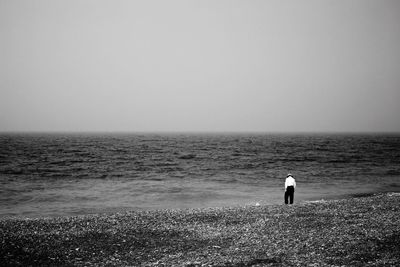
(356, 231)
(262, 202)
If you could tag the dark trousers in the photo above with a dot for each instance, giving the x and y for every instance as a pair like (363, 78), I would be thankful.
(289, 194)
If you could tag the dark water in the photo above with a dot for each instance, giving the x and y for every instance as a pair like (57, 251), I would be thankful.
(70, 174)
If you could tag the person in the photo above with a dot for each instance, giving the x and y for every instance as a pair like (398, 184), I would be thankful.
(290, 185)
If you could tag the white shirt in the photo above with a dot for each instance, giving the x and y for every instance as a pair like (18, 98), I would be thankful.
(290, 182)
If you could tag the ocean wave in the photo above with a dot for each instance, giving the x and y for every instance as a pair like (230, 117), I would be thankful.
(187, 156)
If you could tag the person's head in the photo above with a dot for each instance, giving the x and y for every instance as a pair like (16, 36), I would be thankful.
(289, 175)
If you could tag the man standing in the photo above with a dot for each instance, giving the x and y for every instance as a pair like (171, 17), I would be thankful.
(290, 185)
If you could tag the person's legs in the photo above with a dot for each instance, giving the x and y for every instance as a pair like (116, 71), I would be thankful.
(286, 197)
(290, 192)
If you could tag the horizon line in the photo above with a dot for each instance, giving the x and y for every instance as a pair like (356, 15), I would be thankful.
(190, 132)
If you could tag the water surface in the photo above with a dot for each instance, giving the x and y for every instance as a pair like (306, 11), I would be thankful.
(72, 174)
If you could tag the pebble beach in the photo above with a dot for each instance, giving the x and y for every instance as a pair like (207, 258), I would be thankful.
(357, 231)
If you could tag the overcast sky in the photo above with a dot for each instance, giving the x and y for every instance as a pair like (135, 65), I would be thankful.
(200, 65)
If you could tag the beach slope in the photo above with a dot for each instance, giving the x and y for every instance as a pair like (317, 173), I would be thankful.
(361, 231)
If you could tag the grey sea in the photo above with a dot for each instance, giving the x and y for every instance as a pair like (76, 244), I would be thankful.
(47, 175)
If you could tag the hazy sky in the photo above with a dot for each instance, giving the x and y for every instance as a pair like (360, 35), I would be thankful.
(199, 65)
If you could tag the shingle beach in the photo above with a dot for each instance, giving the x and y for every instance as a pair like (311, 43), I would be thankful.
(358, 231)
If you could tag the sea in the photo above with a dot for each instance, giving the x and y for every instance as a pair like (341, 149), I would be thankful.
(68, 174)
